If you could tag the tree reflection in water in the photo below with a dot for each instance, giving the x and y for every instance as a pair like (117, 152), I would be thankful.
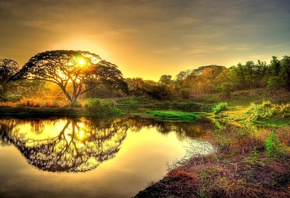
(82, 144)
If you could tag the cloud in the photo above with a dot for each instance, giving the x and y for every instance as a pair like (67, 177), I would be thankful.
(163, 32)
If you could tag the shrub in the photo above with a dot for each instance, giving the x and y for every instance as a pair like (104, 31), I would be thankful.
(98, 106)
(275, 82)
(222, 106)
(266, 110)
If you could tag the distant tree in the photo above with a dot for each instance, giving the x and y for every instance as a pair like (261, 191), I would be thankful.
(185, 93)
(165, 80)
(136, 86)
(275, 82)
(159, 92)
(76, 69)
(181, 76)
(226, 89)
(262, 74)
(8, 68)
(285, 71)
(275, 66)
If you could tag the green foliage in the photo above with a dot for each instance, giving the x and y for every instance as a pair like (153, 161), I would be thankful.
(226, 89)
(272, 143)
(10, 98)
(275, 82)
(173, 115)
(266, 110)
(185, 94)
(98, 106)
(160, 92)
(14, 98)
(222, 106)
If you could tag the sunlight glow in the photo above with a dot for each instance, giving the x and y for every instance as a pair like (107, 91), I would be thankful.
(81, 62)
(81, 135)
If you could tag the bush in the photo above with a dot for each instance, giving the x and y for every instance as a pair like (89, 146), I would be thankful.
(222, 106)
(98, 106)
(275, 82)
(266, 110)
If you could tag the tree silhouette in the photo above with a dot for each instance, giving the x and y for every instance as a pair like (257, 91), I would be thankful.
(8, 68)
(80, 145)
(77, 69)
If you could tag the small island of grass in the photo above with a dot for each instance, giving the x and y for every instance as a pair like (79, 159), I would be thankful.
(173, 115)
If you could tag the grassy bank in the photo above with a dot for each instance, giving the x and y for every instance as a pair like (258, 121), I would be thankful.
(173, 115)
(251, 161)
(248, 163)
(93, 107)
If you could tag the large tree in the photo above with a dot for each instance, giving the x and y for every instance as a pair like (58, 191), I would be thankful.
(81, 70)
(8, 68)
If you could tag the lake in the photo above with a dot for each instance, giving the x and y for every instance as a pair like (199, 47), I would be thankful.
(89, 157)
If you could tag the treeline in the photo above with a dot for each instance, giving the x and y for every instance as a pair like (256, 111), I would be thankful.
(216, 79)
(187, 84)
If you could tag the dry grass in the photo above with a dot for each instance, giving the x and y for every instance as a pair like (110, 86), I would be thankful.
(36, 102)
(242, 167)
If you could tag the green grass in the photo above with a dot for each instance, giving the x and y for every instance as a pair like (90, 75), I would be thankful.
(273, 122)
(222, 106)
(173, 115)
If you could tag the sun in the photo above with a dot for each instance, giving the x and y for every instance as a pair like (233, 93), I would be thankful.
(81, 62)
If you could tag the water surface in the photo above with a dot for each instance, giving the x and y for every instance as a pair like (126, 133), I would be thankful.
(91, 157)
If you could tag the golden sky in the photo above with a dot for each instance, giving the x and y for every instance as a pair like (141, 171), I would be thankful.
(148, 38)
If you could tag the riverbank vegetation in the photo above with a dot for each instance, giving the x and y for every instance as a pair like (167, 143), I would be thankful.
(173, 115)
(250, 161)
(248, 103)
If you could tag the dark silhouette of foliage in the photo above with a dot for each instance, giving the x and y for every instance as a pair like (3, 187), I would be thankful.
(69, 151)
(285, 71)
(84, 70)
(8, 68)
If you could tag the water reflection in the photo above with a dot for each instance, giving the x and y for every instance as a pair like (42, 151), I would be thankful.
(80, 145)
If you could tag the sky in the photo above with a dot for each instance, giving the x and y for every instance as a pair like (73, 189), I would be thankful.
(148, 38)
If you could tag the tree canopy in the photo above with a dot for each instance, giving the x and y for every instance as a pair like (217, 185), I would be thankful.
(8, 68)
(82, 70)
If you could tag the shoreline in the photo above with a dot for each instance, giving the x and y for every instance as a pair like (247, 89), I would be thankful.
(245, 164)
(224, 176)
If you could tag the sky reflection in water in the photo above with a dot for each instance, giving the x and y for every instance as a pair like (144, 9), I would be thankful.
(90, 157)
